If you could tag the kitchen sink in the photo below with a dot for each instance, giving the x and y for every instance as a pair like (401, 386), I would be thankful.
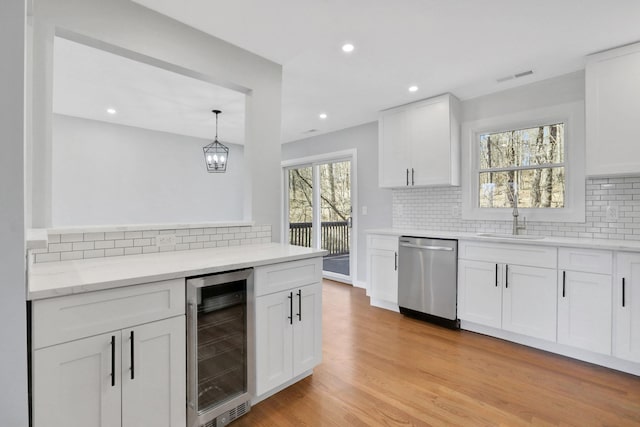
(510, 236)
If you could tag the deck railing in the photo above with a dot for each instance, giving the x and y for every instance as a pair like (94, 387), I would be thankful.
(335, 236)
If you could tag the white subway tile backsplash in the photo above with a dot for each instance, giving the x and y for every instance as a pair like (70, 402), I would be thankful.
(133, 251)
(72, 246)
(431, 209)
(72, 237)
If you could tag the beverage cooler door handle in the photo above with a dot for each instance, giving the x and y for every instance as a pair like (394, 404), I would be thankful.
(299, 304)
(290, 317)
(192, 318)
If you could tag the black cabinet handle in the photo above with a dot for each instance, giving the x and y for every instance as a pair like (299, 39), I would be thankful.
(290, 308)
(113, 360)
(496, 275)
(413, 181)
(623, 292)
(299, 304)
(132, 357)
(407, 176)
(396, 261)
(506, 276)
(564, 282)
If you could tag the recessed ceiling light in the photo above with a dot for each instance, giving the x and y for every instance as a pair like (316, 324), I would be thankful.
(323, 116)
(111, 110)
(413, 88)
(348, 47)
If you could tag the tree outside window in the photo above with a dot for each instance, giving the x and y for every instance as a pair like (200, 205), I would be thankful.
(529, 163)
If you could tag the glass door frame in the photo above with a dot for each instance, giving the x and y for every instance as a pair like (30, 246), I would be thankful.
(315, 162)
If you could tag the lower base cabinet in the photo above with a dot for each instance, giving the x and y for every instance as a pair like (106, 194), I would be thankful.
(382, 267)
(584, 311)
(133, 377)
(288, 335)
(626, 307)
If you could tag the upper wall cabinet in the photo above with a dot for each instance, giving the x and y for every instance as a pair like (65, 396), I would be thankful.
(613, 111)
(419, 144)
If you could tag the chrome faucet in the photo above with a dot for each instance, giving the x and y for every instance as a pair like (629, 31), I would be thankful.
(517, 227)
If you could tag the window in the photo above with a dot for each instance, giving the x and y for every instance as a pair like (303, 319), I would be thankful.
(536, 156)
(523, 165)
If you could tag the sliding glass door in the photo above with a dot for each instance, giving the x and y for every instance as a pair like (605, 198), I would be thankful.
(318, 209)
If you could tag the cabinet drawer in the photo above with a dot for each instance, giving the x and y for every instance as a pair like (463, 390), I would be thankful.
(507, 253)
(586, 260)
(67, 318)
(380, 241)
(287, 275)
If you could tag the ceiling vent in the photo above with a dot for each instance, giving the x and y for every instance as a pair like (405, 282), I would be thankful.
(514, 76)
(311, 131)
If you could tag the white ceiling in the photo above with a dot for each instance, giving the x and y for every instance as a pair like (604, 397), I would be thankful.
(458, 46)
(88, 81)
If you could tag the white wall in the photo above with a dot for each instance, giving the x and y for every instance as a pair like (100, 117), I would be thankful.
(13, 331)
(364, 139)
(104, 173)
(120, 25)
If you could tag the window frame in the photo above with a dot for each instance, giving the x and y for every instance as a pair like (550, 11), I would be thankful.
(573, 117)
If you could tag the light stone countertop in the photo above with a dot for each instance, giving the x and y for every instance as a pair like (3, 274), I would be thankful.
(54, 279)
(615, 245)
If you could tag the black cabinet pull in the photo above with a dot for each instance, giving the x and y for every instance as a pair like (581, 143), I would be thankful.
(290, 308)
(396, 261)
(623, 295)
(564, 281)
(407, 176)
(413, 181)
(132, 357)
(113, 360)
(496, 275)
(506, 276)
(299, 304)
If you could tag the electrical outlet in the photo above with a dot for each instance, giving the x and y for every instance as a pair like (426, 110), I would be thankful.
(455, 211)
(364, 210)
(165, 240)
(611, 214)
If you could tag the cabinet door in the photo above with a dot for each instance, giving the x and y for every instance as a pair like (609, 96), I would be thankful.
(584, 310)
(480, 292)
(307, 328)
(72, 383)
(274, 340)
(383, 274)
(626, 307)
(530, 301)
(612, 104)
(431, 143)
(153, 374)
(394, 156)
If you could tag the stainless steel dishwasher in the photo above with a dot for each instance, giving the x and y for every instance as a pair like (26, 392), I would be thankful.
(427, 279)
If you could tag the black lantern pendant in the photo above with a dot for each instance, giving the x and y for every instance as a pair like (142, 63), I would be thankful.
(216, 154)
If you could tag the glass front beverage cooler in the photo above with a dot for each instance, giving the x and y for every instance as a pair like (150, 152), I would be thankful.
(219, 362)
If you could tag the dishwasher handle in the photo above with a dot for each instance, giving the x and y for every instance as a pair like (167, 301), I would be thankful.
(428, 248)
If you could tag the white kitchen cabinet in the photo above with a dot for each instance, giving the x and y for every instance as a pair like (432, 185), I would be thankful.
(288, 335)
(508, 295)
(419, 144)
(584, 299)
(529, 301)
(288, 322)
(480, 292)
(515, 298)
(626, 307)
(72, 384)
(612, 105)
(382, 265)
(129, 377)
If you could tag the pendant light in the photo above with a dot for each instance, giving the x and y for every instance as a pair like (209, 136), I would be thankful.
(216, 154)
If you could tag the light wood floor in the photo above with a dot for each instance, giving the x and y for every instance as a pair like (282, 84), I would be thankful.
(380, 368)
